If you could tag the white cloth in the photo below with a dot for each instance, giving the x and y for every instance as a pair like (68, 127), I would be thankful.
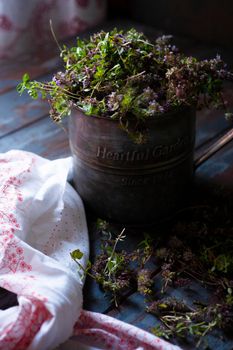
(42, 220)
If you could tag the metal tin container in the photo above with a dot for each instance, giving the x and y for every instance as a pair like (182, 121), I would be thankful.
(130, 183)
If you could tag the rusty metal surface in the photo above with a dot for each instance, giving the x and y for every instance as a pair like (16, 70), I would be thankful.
(130, 183)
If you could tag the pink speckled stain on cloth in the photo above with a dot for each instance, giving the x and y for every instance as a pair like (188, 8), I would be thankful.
(24, 24)
(42, 219)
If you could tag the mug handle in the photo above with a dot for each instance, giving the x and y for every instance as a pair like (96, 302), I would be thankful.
(213, 148)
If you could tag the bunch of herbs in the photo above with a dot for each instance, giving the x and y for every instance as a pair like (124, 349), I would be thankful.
(123, 75)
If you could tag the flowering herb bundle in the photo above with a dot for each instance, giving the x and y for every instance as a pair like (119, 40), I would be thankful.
(122, 75)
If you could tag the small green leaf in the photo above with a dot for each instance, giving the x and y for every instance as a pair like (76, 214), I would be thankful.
(162, 306)
(76, 254)
(102, 224)
(229, 116)
(25, 78)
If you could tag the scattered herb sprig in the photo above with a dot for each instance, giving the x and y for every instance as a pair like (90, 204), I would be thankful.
(198, 246)
(181, 321)
(117, 270)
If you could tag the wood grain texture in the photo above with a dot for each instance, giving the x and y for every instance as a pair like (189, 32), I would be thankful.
(11, 73)
(42, 137)
(132, 310)
(18, 111)
(218, 170)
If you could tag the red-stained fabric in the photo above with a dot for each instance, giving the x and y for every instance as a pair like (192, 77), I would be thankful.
(25, 28)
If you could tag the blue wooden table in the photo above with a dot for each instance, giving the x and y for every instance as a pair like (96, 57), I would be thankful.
(24, 124)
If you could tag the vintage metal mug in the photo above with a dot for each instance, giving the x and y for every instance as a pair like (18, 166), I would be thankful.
(130, 183)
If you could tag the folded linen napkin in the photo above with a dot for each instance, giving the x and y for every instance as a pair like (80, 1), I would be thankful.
(42, 219)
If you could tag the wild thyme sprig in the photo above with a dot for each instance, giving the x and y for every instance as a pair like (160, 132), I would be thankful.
(180, 320)
(197, 246)
(117, 270)
(122, 75)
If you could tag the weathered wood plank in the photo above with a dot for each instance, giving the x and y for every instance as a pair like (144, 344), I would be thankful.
(218, 170)
(41, 137)
(11, 74)
(132, 310)
(212, 123)
(12, 71)
(17, 111)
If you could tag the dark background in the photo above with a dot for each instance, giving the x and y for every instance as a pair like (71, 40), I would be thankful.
(209, 21)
